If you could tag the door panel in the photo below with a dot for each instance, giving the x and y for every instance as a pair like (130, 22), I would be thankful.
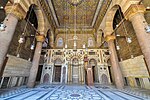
(57, 73)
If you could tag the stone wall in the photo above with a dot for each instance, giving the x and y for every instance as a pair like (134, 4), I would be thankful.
(134, 70)
(16, 67)
(82, 39)
(134, 67)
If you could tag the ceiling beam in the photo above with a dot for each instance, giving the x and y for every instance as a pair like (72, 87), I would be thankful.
(97, 12)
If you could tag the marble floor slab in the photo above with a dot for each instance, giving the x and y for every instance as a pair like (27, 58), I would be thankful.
(70, 92)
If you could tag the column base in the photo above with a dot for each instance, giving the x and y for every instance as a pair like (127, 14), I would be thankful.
(30, 84)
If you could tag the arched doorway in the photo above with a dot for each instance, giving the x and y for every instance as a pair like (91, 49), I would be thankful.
(46, 78)
(104, 79)
(75, 71)
(93, 63)
(57, 70)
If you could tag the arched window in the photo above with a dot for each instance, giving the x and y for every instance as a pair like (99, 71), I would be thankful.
(90, 42)
(60, 42)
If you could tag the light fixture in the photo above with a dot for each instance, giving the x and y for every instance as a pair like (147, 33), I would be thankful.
(75, 44)
(63, 49)
(132, 56)
(29, 59)
(1, 7)
(147, 28)
(86, 49)
(128, 39)
(18, 55)
(2, 27)
(21, 39)
(118, 35)
(74, 2)
(66, 46)
(45, 56)
(117, 47)
(32, 47)
(83, 46)
(148, 7)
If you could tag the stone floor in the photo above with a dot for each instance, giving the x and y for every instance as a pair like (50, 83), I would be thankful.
(72, 92)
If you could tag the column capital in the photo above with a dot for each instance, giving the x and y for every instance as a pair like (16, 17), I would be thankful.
(133, 10)
(110, 37)
(40, 38)
(16, 10)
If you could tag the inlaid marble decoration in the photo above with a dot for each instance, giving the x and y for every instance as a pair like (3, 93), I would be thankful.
(71, 92)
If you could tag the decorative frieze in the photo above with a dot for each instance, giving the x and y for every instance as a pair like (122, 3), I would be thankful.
(134, 9)
(16, 10)
(40, 38)
(110, 37)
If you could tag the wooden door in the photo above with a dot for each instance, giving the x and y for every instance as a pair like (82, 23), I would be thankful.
(57, 73)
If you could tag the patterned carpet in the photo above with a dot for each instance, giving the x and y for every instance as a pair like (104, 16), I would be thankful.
(69, 92)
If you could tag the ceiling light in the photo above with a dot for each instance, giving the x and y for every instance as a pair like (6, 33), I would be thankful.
(117, 47)
(21, 39)
(2, 27)
(147, 28)
(83, 46)
(32, 47)
(1, 7)
(148, 7)
(74, 2)
(18, 55)
(66, 46)
(129, 40)
(118, 35)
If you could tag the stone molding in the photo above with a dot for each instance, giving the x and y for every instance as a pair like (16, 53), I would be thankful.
(40, 38)
(16, 10)
(110, 37)
(133, 10)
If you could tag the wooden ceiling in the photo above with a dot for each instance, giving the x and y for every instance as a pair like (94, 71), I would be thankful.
(83, 15)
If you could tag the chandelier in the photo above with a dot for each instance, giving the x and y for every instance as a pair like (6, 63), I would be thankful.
(74, 2)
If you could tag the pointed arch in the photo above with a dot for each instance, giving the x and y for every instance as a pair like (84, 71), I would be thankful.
(109, 20)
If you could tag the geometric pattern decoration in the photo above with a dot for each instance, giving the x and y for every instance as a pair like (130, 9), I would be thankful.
(84, 12)
(70, 92)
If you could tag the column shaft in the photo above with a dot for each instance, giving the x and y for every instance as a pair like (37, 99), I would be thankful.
(115, 65)
(35, 65)
(143, 37)
(6, 37)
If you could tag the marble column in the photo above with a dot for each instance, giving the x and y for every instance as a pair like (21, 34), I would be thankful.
(35, 62)
(82, 73)
(114, 62)
(6, 35)
(68, 73)
(80, 77)
(135, 14)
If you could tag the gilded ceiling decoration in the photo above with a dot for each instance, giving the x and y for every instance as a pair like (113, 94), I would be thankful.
(84, 11)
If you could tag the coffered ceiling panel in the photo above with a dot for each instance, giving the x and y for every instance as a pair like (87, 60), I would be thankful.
(83, 14)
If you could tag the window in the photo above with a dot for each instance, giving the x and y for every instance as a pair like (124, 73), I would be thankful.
(60, 42)
(138, 82)
(125, 81)
(5, 82)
